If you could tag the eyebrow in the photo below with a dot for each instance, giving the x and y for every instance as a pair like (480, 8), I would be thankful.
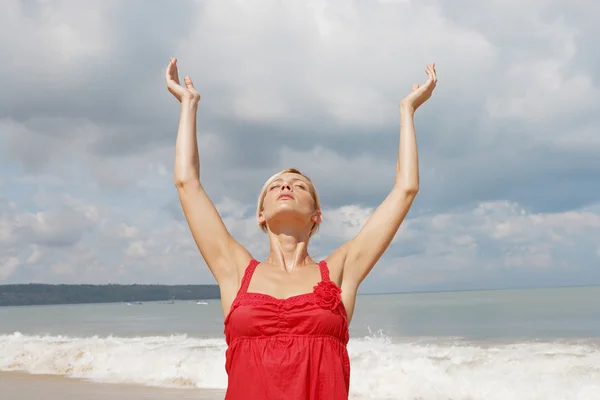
(293, 180)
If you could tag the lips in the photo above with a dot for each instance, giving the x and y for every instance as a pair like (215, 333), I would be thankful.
(285, 196)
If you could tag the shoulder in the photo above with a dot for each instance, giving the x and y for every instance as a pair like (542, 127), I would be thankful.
(336, 262)
(238, 264)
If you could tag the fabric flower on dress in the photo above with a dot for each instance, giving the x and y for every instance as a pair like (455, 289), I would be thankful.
(328, 295)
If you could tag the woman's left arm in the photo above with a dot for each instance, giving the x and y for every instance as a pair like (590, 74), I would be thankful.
(365, 249)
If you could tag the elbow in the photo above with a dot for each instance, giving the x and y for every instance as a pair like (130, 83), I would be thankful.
(408, 190)
(412, 189)
(408, 185)
(181, 183)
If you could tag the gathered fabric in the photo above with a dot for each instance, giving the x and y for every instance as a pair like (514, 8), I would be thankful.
(292, 349)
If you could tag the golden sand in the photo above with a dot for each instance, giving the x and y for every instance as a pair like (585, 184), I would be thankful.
(21, 386)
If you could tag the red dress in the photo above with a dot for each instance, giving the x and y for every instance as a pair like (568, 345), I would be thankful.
(292, 349)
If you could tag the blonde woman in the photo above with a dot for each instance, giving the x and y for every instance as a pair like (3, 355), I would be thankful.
(286, 318)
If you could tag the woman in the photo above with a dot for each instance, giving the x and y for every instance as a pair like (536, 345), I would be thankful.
(286, 318)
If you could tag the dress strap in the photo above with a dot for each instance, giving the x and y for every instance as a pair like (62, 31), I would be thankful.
(324, 271)
(248, 275)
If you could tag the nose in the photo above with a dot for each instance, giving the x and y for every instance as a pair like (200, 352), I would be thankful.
(286, 186)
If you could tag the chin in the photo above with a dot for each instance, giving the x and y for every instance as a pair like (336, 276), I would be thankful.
(287, 212)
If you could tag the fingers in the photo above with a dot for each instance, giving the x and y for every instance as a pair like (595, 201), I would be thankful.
(168, 69)
(431, 77)
(431, 72)
(171, 72)
(190, 87)
(172, 63)
(188, 82)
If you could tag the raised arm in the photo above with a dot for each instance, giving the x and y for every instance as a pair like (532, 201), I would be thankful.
(222, 253)
(362, 252)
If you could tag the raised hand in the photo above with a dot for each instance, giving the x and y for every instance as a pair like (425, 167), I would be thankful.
(181, 93)
(421, 93)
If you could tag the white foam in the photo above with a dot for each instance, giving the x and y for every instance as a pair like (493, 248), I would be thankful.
(169, 361)
(414, 369)
(459, 370)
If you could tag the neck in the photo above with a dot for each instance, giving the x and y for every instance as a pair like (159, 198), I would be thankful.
(288, 249)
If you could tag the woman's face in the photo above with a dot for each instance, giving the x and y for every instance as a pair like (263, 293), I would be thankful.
(290, 196)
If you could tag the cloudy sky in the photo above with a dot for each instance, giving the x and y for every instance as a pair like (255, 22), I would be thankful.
(509, 144)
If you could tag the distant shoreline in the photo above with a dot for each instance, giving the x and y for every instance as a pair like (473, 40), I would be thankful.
(481, 290)
(30, 294)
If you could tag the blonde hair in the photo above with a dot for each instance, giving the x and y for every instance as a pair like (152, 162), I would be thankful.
(263, 193)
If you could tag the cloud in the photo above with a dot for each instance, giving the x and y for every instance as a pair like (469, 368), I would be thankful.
(486, 246)
(507, 145)
(8, 265)
(491, 245)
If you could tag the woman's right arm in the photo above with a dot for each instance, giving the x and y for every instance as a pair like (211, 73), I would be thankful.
(224, 256)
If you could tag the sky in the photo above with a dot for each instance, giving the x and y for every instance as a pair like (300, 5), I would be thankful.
(509, 143)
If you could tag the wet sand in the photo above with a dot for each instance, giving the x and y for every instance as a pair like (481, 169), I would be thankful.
(21, 386)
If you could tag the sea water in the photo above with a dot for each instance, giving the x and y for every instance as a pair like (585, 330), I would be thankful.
(502, 344)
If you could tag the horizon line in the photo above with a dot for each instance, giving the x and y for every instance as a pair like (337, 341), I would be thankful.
(359, 293)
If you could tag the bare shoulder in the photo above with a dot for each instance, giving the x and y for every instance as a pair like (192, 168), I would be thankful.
(237, 263)
(335, 263)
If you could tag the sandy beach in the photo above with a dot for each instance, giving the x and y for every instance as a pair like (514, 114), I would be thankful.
(21, 386)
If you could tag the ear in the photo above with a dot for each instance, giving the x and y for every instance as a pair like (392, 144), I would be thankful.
(317, 217)
(261, 218)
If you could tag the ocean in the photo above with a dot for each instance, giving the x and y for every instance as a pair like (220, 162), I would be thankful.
(500, 344)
